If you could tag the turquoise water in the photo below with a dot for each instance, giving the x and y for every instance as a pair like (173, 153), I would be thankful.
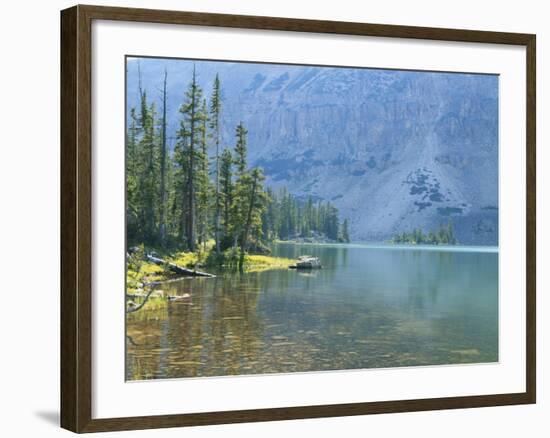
(369, 307)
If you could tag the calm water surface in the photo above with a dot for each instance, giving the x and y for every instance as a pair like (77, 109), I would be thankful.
(368, 307)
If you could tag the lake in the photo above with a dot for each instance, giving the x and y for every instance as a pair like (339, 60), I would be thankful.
(369, 307)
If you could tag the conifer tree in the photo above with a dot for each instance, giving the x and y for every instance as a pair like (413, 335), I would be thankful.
(132, 211)
(251, 197)
(180, 182)
(191, 111)
(226, 189)
(163, 165)
(345, 231)
(269, 216)
(241, 149)
(238, 208)
(215, 114)
(203, 179)
(147, 180)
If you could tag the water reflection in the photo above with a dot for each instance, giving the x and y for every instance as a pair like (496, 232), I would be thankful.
(366, 308)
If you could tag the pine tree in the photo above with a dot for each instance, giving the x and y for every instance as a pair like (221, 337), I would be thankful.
(451, 239)
(170, 220)
(307, 221)
(132, 209)
(191, 111)
(345, 231)
(238, 208)
(251, 200)
(241, 149)
(269, 216)
(163, 165)
(215, 114)
(333, 226)
(180, 182)
(226, 189)
(284, 218)
(142, 172)
(203, 179)
(147, 180)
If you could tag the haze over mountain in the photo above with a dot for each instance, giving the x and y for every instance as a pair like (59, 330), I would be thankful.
(392, 150)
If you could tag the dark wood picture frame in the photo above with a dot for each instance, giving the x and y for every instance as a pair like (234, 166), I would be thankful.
(76, 218)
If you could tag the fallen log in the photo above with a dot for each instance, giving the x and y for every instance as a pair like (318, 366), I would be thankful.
(178, 269)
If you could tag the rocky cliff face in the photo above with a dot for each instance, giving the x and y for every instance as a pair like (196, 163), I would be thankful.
(393, 150)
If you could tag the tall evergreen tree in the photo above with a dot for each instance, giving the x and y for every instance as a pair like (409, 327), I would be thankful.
(191, 111)
(226, 189)
(180, 182)
(148, 171)
(251, 198)
(345, 231)
(270, 216)
(241, 149)
(238, 208)
(215, 114)
(203, 179)
(132, 211)
(163, 165)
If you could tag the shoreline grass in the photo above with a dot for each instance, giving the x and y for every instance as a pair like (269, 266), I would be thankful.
(258, 263)
(140, 272)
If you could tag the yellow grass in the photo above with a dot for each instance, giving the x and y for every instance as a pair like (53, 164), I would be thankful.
(256, 263)
(185, 259)
(147, 273)
(190, 259)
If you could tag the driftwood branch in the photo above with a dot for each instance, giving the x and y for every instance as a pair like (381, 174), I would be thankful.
(173, 267)
(135, 309)
(178, 269)
(131, 341)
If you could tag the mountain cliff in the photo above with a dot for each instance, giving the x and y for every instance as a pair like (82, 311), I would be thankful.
(393, 150)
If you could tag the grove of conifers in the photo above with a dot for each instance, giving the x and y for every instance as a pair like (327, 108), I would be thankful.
(203, 188)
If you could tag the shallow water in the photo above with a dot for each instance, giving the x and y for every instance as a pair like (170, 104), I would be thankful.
(369, 307)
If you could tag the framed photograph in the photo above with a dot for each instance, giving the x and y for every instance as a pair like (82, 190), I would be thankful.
(271, 218)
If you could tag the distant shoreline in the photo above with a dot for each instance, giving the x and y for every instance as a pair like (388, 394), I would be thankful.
(393, 246)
